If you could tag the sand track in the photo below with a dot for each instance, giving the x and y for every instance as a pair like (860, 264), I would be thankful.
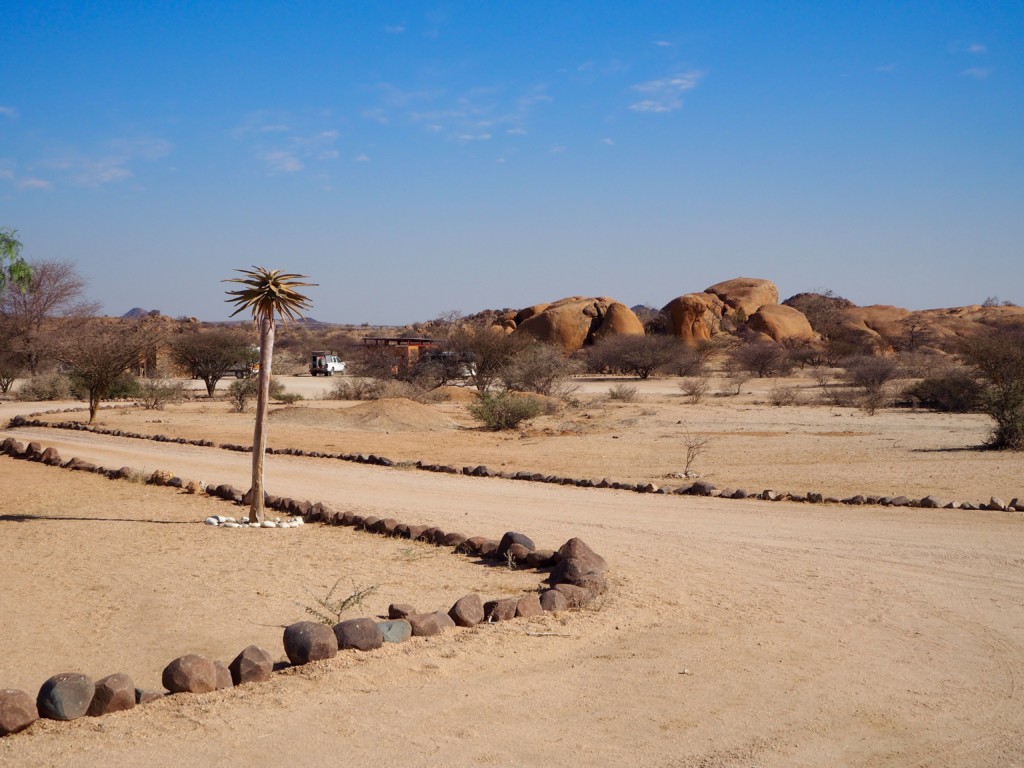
(736, 633)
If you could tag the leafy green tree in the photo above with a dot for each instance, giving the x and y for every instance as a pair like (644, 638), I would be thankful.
(266, 294)
(13, 268)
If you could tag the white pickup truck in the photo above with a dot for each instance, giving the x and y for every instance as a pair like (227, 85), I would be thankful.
(325, 364)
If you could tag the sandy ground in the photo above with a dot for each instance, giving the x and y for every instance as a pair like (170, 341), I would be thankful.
(735, 633)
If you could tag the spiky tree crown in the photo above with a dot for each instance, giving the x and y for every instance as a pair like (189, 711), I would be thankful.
(269, 292)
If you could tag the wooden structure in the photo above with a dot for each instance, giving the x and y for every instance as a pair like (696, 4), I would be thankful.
(403, 353)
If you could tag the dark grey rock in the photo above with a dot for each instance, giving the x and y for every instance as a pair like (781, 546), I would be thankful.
(66, 696)
(308, 641)
(358, 634)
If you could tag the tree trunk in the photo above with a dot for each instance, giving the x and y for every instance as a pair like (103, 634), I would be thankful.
(259, 438)
(94, 404)
(211, 386)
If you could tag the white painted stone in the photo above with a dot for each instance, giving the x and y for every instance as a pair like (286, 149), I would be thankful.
(212, 521)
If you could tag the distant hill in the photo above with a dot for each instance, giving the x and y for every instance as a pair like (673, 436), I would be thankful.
(138, 312)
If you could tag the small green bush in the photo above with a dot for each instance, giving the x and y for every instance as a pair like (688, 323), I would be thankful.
(952, 393)
(155, 394)
(504, 410)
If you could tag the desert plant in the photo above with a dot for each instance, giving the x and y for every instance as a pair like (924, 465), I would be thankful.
(51, 386)
(623, 393)
(210, 355)
(761, 359)
(997, 358)
(156, 394)
(267, 293)
(99, 353)
(695, 387)
(695, 443)
(779, 395)
(952, 392)
(485, 352)
(240, 394)
(871, 376)
(329, 608)
(538, 367)
(639, 356)
(504, 410)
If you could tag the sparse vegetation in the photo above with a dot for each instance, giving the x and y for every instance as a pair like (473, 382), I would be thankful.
(623, 393)
(695, 387)
(639, 356)
(45, 387)
(329, 608)
(504, 410)
(695, 443)
(997, 358)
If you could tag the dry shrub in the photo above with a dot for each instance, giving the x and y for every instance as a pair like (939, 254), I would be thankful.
(780, 396)
(623, 393)
(52, 386)
(694, 387)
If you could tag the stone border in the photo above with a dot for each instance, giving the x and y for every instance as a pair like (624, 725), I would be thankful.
(697, 488)
(576, 578)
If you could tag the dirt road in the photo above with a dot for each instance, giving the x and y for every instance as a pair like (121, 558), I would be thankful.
(735, 633)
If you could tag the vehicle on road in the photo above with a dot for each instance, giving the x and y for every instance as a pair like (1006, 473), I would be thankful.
(325, 364)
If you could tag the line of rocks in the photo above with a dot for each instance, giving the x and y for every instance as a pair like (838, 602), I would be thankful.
(576, 577)
(697, 488)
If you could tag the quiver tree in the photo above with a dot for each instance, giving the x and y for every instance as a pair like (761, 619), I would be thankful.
(266, 294)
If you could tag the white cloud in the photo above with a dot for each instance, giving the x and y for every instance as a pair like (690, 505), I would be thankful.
(282, 161)
(329, 154)
(976, 48)
(474, 137)
(663, 43)
(516, 131)
(395, 29)
(886, 68)
(665, 95)
(35, 184)
(608, 142)
(9, 112)
(978, 73)
(361, 158)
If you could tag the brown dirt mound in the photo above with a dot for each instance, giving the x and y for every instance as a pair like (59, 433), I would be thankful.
(397, 414)
(453, 394)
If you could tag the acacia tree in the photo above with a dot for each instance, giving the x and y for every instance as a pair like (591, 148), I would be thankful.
(637, 355)
(13, 268)
(209, 355)
(266, 294)
(98, 352)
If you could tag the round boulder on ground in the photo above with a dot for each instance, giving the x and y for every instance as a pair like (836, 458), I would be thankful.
(252, 665)
(307, 641)
(512, 537)
(396, 630)
(190, 673)
(66, 696)
(425, 624)
(17, 711)
(114, 693)
(359, 634)
(553, 601)
(468, 611)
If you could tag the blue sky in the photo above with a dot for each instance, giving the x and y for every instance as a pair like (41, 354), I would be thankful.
(415, 158)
